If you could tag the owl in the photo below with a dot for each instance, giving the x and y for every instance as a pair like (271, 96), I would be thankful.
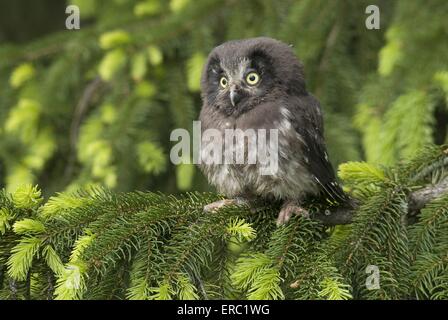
(259, 83)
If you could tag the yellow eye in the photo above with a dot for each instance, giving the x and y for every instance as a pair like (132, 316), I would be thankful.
(252, 78)
(223, 82)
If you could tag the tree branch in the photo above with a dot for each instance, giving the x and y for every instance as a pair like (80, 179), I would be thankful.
(80, 110)
(419, 198)
(416, 201)
(342, 215)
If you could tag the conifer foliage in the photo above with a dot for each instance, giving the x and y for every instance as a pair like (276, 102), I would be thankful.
(98, 244)
(86, 116)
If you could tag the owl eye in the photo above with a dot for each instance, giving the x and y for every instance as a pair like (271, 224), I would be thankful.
(252, 78)
(223, 82)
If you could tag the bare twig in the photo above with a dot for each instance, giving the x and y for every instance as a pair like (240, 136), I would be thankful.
(80, 110)
(420, 198)
(82, 107)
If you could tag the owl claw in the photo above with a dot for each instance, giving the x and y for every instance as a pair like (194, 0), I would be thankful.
(215, 206)
(287, 210)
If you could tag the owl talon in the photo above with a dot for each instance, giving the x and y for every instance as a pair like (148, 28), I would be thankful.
(287, 210)
(215, 206)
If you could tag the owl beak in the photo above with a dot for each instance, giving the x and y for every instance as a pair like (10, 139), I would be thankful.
(235, 96)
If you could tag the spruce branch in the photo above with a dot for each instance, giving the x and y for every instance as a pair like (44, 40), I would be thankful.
(419, 198)
(416, 201)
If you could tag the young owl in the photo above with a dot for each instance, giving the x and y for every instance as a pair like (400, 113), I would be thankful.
(259, 84)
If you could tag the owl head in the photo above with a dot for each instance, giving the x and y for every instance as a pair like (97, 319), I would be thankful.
(241, 74)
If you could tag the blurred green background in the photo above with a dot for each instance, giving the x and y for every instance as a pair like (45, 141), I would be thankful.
(96, 106)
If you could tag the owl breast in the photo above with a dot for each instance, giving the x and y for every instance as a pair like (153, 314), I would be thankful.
(288, 177)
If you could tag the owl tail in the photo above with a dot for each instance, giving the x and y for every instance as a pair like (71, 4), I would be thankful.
(334, 195)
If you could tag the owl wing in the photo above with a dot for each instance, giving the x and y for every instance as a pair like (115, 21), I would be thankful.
(308, 123)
